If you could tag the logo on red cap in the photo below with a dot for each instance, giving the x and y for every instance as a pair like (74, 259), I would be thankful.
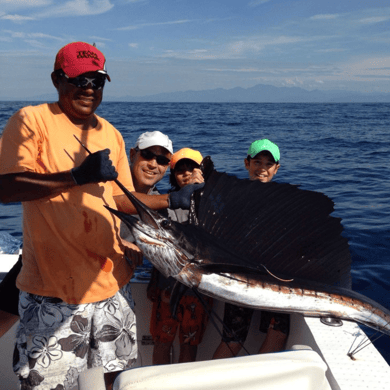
(87, 54)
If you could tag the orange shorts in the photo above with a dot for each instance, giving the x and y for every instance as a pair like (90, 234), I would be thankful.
(192, 318)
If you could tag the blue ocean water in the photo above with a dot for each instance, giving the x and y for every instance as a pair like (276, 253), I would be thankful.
(341, 150)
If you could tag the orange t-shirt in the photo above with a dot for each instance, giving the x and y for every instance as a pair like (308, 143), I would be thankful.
(71, 244)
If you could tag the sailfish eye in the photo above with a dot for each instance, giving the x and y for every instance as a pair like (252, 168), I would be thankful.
(166, 223)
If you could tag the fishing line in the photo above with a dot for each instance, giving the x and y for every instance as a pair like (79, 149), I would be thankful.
(367, 341)
(212, 313)
(282, 280)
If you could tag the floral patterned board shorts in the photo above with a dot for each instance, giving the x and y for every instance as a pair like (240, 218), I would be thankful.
(56, 340)
(191, 316)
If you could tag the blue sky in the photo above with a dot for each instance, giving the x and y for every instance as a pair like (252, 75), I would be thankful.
(155, 46)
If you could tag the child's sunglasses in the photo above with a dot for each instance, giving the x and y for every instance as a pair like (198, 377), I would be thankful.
(149, 155)
(97, 82)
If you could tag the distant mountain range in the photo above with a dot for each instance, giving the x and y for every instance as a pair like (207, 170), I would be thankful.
(261, 94)
(258, 94)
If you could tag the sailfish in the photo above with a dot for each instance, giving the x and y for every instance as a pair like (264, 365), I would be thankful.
(270, 246)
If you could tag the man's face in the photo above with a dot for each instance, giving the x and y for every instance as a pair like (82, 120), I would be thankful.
(262, 167)
(147, 172)
(78, 103)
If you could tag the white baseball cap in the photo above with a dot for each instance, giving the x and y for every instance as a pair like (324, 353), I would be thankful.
(154, 138)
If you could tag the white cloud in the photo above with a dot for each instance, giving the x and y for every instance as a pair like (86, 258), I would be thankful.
(76, 8)
(330, 50)
(23, 35)
(137, 26)
(374, 19)
(244, 48)
(256, 44)
(17, 18)
(99, 45)
(369, 70)
(310, 70)
(100, 39)
(239, 70)
(324, 17)
(133, 45)
(52, 9)
(255, 3)
(196, 54)
(16, 4)
(368, 67)
(36, 43)
(343, 23)
(44, 36)
(294, 81)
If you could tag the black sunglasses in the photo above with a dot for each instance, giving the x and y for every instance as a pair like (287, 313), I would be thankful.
(97, 82)
(149, 155)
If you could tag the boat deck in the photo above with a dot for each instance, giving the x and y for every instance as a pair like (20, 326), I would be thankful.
(368, 370)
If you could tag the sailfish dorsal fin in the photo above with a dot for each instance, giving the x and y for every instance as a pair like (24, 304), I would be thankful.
(287, 229)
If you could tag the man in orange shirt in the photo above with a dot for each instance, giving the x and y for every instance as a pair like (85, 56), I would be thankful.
(75, 304)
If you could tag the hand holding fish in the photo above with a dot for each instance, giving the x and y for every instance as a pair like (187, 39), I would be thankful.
(96, 168)
(182, 199)
(196, 176)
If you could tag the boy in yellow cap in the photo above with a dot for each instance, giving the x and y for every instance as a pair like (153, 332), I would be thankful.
(192, 317)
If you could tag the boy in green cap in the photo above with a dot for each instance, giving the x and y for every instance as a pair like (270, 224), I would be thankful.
(262, 163)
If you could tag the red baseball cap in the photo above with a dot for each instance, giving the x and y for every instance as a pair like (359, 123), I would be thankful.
(77, 58)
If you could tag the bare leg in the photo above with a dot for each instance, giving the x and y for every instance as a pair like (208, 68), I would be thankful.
(274, 341)
(7, 320)
(227, 350)
(109, 378)
(162, 353)
(187, 353)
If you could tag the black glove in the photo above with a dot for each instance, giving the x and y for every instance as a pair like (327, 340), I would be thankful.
(182, 199)
(96, 168)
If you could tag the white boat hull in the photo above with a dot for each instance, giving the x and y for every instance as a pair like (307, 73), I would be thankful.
(368, 371)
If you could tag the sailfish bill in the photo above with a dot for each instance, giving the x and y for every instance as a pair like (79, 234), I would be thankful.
(265, 246)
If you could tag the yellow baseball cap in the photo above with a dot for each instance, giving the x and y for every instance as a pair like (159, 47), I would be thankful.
(191, 154)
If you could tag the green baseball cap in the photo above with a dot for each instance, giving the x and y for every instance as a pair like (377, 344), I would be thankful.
(264, 144)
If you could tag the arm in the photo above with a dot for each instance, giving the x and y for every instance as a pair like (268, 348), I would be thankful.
(26, 186)
(174, 200)
(155, 202)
